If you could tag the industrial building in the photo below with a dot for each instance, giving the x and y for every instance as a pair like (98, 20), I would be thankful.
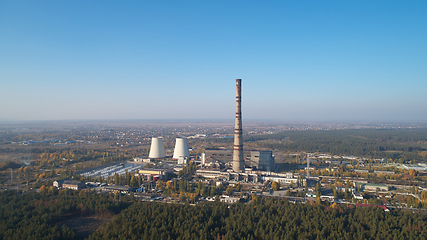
(114, 188)
(228, 199)
(283, 180)
(229, 175)
(152, 171)
(65, 183)
(251, 176)
(260, 160)
(111, 170)
(372, 187)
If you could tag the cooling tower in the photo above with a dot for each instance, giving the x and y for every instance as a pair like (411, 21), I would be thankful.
(157, 149)
(181, 148)
(238, 160)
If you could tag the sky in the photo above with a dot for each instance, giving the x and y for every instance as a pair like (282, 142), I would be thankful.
(298, 60)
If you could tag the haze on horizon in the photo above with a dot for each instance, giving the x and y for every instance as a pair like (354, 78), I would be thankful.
(311, 61)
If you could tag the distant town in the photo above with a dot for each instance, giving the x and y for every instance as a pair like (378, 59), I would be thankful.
(117, 159)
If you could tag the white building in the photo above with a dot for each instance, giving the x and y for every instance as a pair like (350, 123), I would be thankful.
(228, 199)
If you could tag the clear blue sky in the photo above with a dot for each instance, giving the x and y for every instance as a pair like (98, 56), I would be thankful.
(299, 60)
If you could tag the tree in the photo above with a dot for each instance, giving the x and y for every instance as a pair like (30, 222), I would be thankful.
(424, 196)
(133, 182)
(413, 172)
(228, 191)
(116, 195)
(348, 184)
(334, 189)
(318, 189)
(169, 186)
(213, 191)
(175, 185)
(43, 189)
(254, 198)
(275, 186)
(116, 179)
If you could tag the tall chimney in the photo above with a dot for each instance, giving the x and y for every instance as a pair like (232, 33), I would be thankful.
(238, 161)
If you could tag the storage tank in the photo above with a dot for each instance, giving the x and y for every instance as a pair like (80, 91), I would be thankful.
(181, 149)
(157, 149)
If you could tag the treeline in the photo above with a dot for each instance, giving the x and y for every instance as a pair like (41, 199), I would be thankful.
(8, 164)
(9, 136)
(394, 143)
(40, 216)
(268, 218)
(36, 215)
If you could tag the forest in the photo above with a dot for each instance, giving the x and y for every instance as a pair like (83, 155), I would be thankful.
(269, 218)
(39, 216)
(397, 144)
(36, 215)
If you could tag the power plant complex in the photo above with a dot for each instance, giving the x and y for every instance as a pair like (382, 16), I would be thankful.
(236, 159)
(253, 159)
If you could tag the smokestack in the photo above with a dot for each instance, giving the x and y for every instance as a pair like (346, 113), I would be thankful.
(238, 161)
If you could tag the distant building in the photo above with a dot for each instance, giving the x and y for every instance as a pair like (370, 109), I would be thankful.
(339, 162)
(212, 174)
(228, 199)
(414, 167)
(357, 195)
(283, 180)
(313, 195)
(222, 155)
(384, 172)
(75, 185)
(349, 157)
(152, 171)
(182, 160)
(140, 159)
(361, 171)
(372, 187)
(58, 183)
(114, 188)
(327, 194)
(341, 189)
